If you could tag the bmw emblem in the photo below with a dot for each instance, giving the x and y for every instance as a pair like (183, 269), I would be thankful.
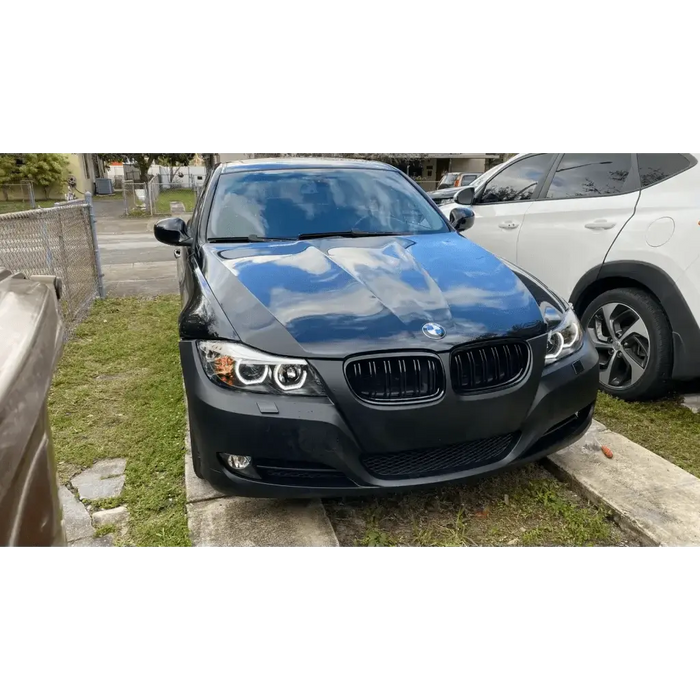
(434, 331)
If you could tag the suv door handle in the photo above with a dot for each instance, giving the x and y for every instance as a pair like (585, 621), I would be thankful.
(508, 225)
(600, 225)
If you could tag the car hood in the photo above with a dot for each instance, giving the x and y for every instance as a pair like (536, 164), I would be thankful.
(338, 296)
(444, 194)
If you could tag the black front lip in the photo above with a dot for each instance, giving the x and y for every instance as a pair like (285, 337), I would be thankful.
(313, 431)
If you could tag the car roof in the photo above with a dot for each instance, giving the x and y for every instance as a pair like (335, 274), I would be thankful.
(302, 163)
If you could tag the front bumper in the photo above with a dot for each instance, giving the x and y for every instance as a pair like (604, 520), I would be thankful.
(307, 446)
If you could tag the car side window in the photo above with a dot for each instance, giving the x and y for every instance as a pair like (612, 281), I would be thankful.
(517, 182)
(591, 175)
(654, 167)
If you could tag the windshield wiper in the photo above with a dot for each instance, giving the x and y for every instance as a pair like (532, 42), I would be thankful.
(246, 239)
(353, 233)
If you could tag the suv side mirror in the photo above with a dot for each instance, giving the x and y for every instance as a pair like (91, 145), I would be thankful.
(462, 218)
(465, 196)
(172, 231)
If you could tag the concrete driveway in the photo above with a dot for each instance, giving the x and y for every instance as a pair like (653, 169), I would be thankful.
(133, 262)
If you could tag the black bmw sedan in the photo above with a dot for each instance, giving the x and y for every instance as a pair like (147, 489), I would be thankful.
(339, 336)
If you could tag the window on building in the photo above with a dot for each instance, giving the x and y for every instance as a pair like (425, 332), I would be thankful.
(591, 175)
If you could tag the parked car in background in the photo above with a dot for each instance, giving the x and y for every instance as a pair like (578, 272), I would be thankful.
(617, 234)
(338, 336)
(446, 196)
(31, 337)
(456, 180)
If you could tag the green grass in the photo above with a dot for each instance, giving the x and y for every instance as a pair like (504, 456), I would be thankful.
(6, 207)
(664, 427)
(187, 197)
(118, 393)
(523, 507)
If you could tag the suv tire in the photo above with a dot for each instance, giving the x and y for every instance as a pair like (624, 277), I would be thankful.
(624, 308)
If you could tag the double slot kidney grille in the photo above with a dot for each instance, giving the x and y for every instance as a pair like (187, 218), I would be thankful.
(392, 379)
(488, 366)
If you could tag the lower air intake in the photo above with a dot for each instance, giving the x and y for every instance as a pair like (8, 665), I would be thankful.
(414, 464)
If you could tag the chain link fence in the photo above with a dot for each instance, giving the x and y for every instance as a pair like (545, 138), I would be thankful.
(136, 199)
(188, 186)
(19, 192)
(58, 241)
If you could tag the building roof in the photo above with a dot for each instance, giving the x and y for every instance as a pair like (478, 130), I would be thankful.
(298, 163)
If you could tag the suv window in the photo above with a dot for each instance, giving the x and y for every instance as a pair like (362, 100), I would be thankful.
(517, 182)
(591, 175)
(654, 167)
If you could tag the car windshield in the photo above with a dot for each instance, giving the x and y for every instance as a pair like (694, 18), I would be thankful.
(449, 179)
(289, 203)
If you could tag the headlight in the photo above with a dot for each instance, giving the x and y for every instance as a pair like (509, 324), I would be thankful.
(565, 335)
(236, 366)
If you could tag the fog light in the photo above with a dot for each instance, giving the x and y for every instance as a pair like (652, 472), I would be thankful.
(238, 461)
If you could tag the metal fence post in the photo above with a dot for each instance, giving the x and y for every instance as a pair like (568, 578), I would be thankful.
(47, 245)
(30, 190)
(150, 190)
(126, 205)
(96, 247)
(64, 264)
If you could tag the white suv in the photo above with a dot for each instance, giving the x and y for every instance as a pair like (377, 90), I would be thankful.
(618, 234)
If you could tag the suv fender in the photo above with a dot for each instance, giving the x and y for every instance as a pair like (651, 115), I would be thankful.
(625, 273)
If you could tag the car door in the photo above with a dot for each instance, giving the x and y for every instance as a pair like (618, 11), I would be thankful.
(184, 256)
(585, 203)
(501, 203)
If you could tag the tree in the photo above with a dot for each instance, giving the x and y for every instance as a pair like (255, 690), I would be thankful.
(143, 161)
(9, 172)
(174, 161)
(44, 169)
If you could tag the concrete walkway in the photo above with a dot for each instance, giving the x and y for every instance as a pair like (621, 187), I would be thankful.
(648, 495)
(232, 521)
(134, 263)
(105, 479)
(692, 401)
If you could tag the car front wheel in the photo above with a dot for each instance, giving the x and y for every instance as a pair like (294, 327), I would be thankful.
(631, 333)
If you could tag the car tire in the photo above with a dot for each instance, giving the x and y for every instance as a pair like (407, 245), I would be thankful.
(655, 379)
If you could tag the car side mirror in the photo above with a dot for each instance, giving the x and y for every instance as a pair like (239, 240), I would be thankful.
(462, 218)
(172, 231)
(465, 196)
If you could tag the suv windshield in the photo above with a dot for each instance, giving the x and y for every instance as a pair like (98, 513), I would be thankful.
(303, 202)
